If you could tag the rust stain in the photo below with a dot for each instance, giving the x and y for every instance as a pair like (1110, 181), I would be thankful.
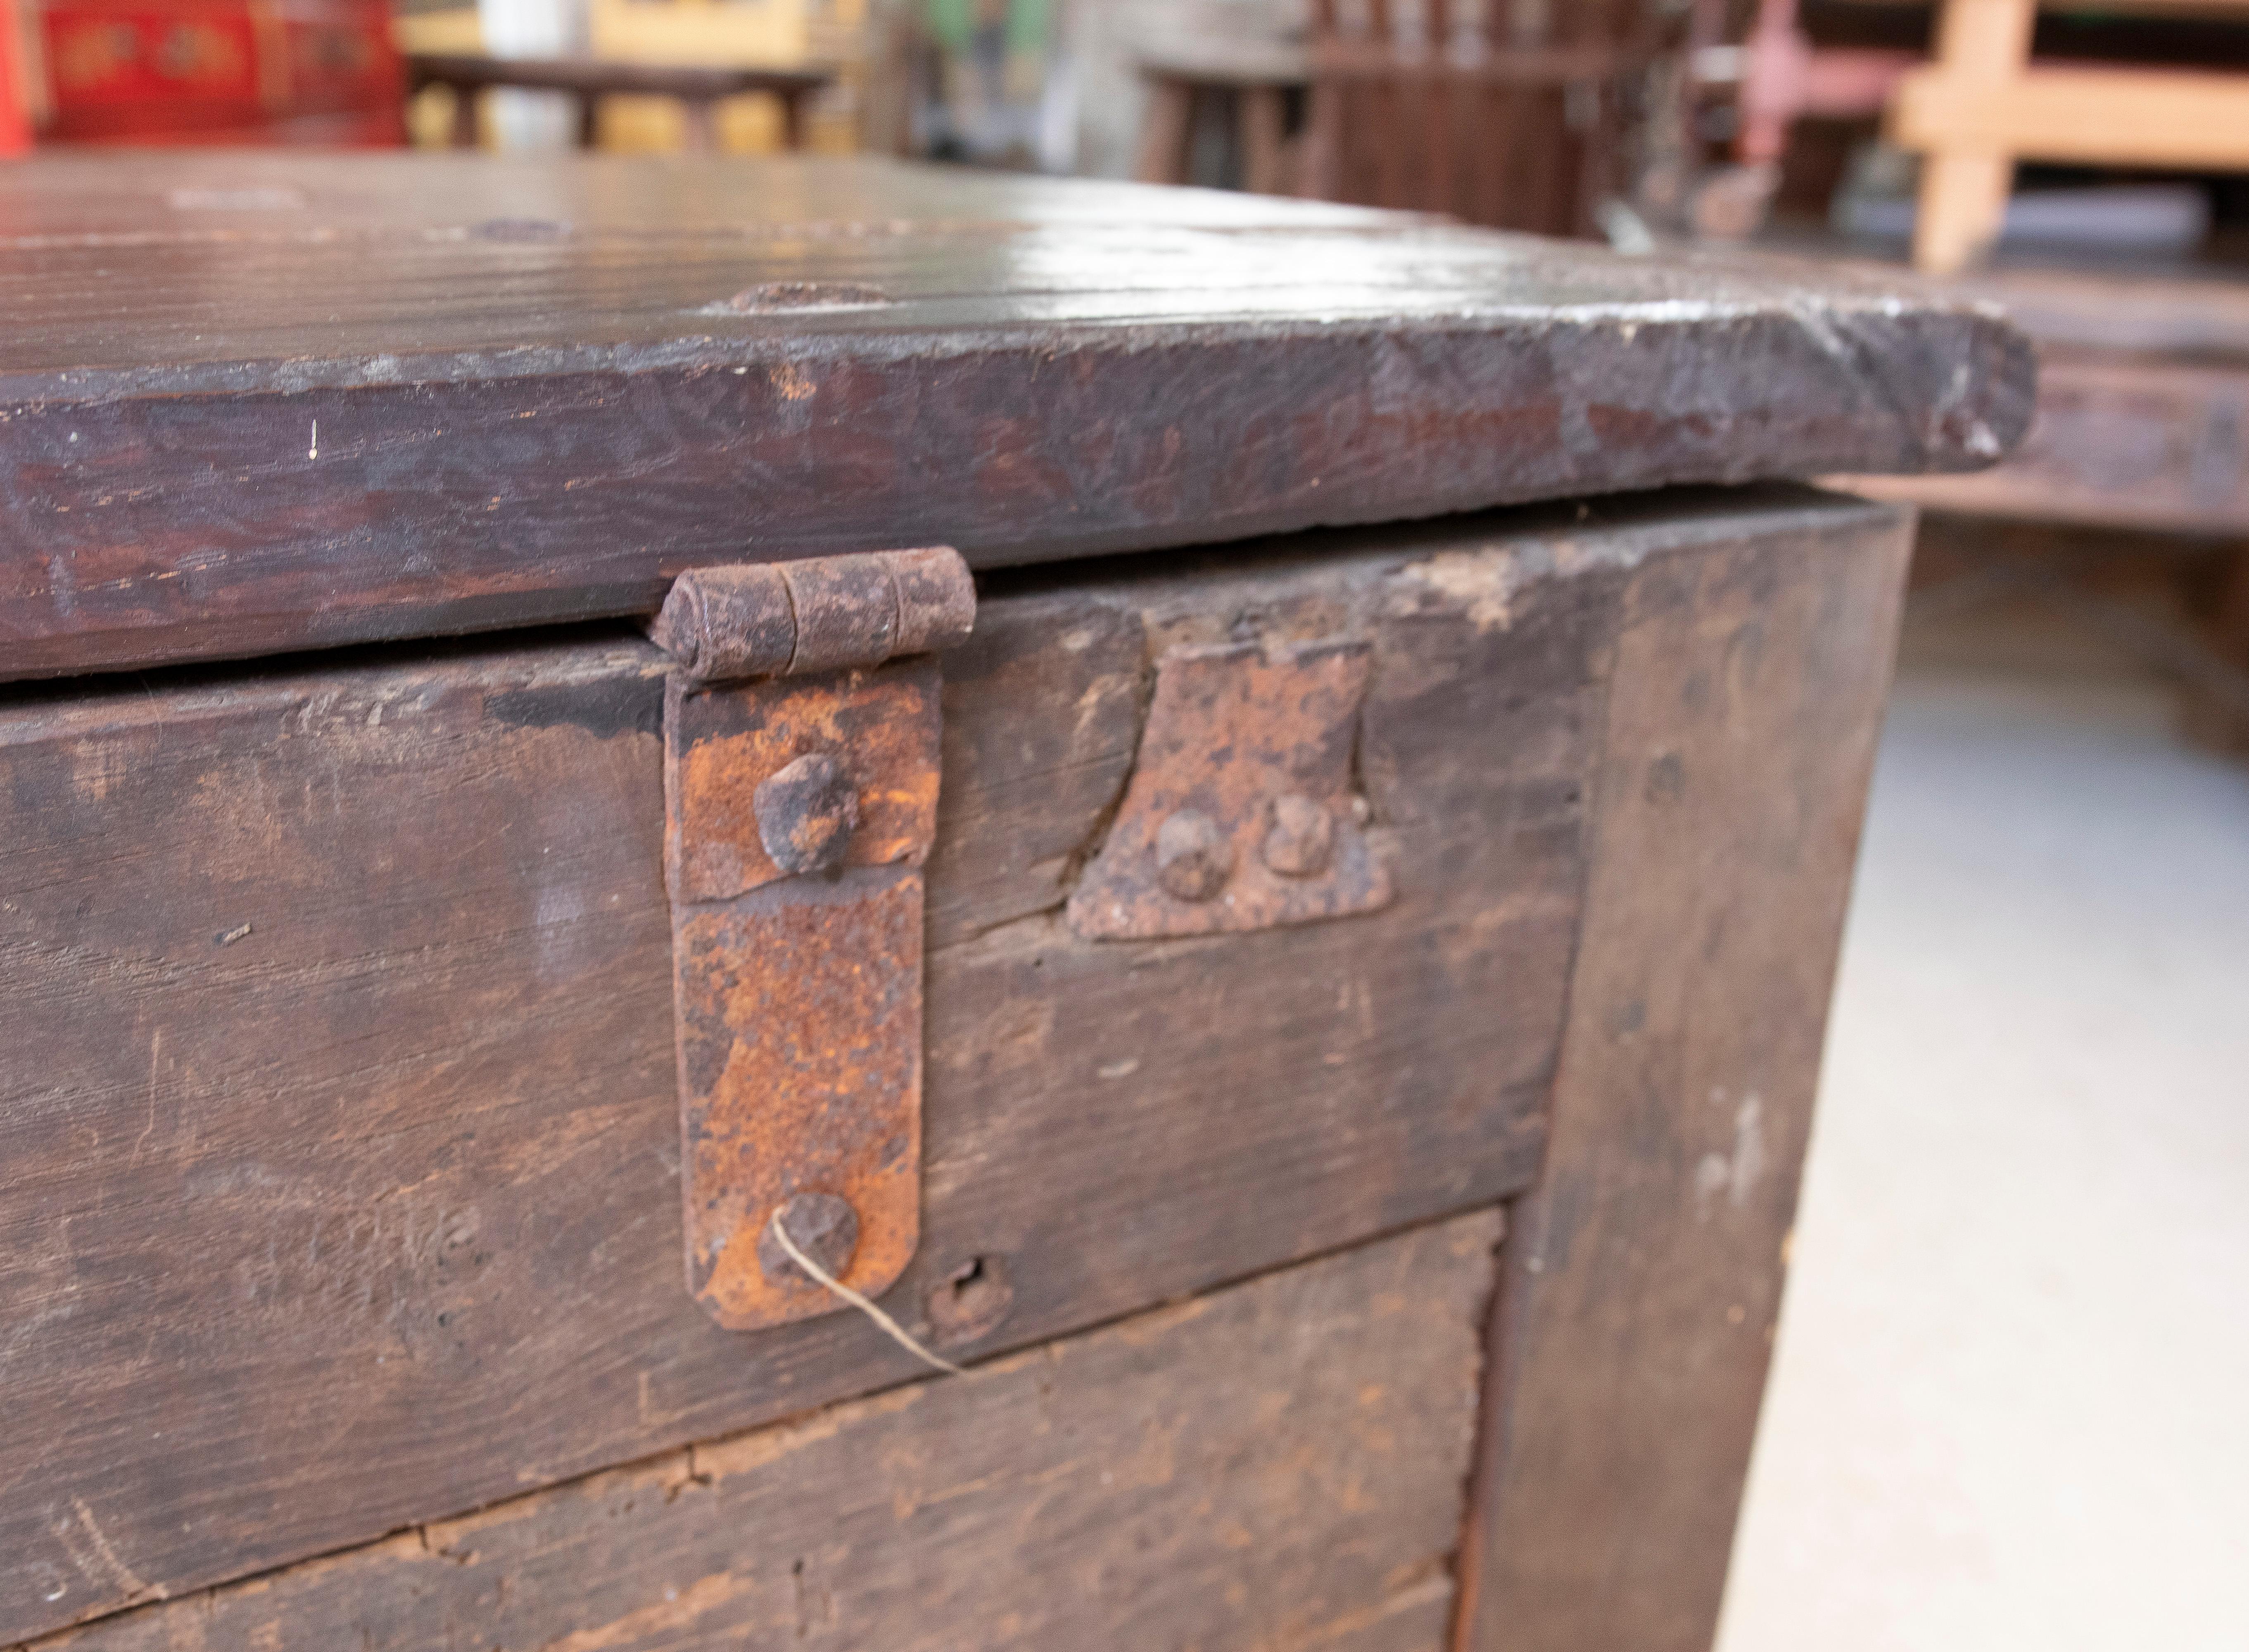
(721, 744)
(1241, 813)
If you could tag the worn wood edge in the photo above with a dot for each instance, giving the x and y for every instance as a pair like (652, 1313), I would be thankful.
(1645, 1571)
(1621, 531)
(2087, 456)
(1855, 406)
(159, 1622)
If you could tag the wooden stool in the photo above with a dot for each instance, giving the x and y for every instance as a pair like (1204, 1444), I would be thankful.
(590, 79)
(1256, 78)
(1983, 106)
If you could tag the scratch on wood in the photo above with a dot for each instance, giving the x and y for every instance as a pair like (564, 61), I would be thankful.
(107, 1567)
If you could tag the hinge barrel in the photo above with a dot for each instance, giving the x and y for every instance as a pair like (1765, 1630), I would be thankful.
(786, 619)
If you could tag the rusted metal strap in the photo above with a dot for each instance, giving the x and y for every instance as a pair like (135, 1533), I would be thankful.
(799, 811)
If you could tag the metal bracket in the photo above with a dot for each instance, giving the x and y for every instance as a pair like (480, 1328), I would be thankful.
(1239, 813)
(798, 813)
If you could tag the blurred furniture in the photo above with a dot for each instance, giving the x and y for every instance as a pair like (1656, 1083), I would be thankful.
(1235, 66)
(779, 34)
(165, 72)
(2143, 415)
(589, 80)
(824, 35)
(776, 36)
(1785, 78)
(1775, 76)
(1246, 83)
(1983, 105)
(21, 87)
(1503, 115)
(2142, 422)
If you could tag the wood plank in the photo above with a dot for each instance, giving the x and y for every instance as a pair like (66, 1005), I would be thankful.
(1641, 1279)
(1277, 1464)
(342, 1183)
(259, 403)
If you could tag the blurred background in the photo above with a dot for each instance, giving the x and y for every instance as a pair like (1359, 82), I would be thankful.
(2007, 1406)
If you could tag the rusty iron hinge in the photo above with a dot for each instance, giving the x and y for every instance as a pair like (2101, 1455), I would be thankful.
(1241, 812)
(799, 808)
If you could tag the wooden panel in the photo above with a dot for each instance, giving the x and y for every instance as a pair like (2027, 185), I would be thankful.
(251, 404)
(1641, 1279)
(2132, 441)
(341, 1189)
(1278, 1464)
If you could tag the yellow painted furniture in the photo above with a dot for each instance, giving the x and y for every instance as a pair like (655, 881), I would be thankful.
(1983, 106)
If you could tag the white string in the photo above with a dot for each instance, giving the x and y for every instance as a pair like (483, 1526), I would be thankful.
(890, 1327)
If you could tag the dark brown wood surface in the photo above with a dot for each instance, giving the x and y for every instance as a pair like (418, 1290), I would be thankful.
(1641, 1279)
(259, 403)
(342, 1189)
(1281, 1463)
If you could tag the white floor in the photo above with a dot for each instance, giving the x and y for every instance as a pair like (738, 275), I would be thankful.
(2010, 1408)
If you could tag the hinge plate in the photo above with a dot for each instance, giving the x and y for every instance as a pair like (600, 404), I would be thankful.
(1241, 813)
(799, 812)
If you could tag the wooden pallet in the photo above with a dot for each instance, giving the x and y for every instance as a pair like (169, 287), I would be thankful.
(1983, 106)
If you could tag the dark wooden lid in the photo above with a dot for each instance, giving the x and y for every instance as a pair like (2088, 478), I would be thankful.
(255, 403)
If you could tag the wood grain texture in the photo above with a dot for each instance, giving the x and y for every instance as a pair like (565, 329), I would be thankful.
(1641, 1279)
(341, 1184)
(252, 404)
(1278, 1464)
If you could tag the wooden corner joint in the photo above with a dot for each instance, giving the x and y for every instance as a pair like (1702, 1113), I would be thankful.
(800, 782)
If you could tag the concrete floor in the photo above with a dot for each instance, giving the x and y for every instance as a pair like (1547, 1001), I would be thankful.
(2010, 1407)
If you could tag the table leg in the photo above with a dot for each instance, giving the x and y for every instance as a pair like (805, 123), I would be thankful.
(1164, 128)
(465, 117)
(1263, 114)
(1963, 206)
(2211, 718)
(589, 120)
(699, 135)
(1319, 172)
(1982, 46)
(792, 120)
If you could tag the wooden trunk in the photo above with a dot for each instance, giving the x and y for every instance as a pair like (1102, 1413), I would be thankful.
(1394, 1273)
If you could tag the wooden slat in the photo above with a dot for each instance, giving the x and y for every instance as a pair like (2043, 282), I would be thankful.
(341, 1185)
(252, 404)
(1278, 1464)
(1641, 1280)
